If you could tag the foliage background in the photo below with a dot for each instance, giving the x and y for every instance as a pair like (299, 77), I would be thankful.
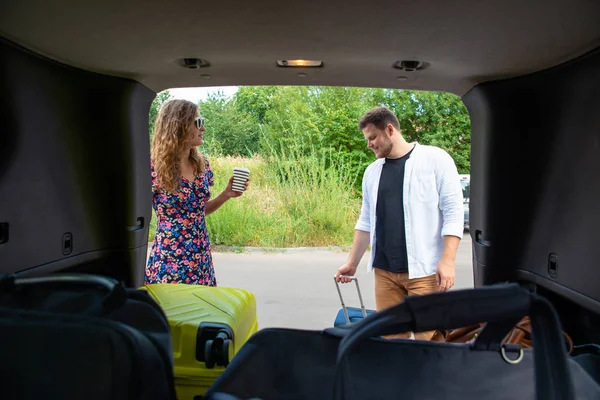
(307, 156)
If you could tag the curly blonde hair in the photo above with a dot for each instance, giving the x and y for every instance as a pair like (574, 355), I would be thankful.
(171, 137)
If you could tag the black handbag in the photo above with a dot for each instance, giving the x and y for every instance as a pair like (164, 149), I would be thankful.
(79, 336)
(356, 363)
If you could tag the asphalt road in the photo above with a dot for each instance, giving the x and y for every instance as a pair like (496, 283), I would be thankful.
(295, 289)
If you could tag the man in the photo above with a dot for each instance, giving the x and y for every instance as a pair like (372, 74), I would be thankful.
(412, 215)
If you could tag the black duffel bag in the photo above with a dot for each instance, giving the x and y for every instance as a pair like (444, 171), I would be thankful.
(79, 336)
(356, 363)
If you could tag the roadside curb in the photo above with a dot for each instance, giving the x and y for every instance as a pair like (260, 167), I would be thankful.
(236, 249)
(274, 250)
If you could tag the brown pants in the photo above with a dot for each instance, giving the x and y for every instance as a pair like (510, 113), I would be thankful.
(391, 288)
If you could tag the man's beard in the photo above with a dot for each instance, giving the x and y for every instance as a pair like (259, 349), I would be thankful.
(386, 149)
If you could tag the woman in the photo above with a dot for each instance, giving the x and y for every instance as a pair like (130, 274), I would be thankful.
(181, 197)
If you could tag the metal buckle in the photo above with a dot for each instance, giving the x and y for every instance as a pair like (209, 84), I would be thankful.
(508, 360)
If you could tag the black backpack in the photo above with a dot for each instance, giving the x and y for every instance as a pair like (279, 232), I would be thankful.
(80, 336)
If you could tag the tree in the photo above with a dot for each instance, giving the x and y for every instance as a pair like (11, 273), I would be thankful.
(434, 118)
(313, 120)
(157, 103)
(256, 101)
(229, 130)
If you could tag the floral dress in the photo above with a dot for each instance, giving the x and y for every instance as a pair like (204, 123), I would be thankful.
(181, 248)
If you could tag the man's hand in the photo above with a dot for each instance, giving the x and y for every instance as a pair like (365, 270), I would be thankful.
(346, 269)
(445, 275)
(445, 271)
(359, 246)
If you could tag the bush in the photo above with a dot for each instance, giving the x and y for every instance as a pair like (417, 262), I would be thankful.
(292, 201)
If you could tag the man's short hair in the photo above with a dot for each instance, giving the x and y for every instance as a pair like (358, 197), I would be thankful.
(379, 117)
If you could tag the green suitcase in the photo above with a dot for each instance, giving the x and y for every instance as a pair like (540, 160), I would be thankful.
(208, 325)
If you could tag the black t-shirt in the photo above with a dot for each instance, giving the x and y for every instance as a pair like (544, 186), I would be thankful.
(390, 235)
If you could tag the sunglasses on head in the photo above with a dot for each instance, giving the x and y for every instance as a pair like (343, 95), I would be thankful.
(199, 122)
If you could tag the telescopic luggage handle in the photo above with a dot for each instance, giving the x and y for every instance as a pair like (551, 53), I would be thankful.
(362, 305)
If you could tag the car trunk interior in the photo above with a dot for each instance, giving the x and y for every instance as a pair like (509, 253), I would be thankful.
(535, 151)
(74, 169)
(77, 87)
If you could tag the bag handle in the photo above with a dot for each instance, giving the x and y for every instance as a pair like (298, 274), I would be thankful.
(459, 308)
(116, 293)
(362, 304)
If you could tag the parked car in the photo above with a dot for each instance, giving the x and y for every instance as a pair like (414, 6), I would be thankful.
(465, 181)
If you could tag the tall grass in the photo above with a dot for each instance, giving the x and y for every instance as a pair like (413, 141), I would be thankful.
(293, 200)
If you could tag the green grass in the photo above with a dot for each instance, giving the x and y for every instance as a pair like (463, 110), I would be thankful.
(292, 201)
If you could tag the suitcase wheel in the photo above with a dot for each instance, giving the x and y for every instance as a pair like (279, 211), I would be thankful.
(216, 351)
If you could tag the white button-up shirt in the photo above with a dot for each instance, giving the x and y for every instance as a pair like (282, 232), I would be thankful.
(433, 207)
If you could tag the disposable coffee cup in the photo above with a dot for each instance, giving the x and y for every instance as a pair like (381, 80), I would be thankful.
(240, 177)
